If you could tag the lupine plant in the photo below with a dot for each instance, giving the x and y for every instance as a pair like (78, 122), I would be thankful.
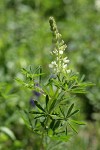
(53, 115)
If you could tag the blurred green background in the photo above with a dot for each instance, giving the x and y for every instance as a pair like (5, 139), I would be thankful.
(25, 39)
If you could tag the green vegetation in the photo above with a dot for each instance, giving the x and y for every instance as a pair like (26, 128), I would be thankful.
(25, 40)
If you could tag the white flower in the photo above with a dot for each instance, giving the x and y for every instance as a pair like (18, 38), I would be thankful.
(58, 35)
(65, 60)
(50, 66)
(59, 65)
(53, 63)
(61, 52)
(68, 71)
(57, 58)
(55, 51)
(64, 66)
(97, 4)
(55, 69)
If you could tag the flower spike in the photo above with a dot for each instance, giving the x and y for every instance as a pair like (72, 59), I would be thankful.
(60, 62)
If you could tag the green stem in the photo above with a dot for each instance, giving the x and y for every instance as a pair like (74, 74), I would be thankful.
(42, 142)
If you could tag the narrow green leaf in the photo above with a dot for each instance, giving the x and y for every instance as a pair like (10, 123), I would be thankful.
(31, 75)
(78, 122)
(56, 101)
(52, 105)
(27, 113)
(82, 78)
(8, 132)
(62, 112)
(19, 80)
(24, 71)
(47, 100)
(78, 90)
(58, 78)
(38, 116)
(40, 72)
(73, 128)
(38, 105)
(56, 124)
(70, 109)
(57, 117)
(59, 133)
(42, 124)
(52, 123)
(73, 113)
(61, 138)
(66, 130)
(50, 132)
(35, 112)
(24, 116)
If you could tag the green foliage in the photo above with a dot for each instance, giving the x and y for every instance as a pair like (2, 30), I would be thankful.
(54, 114)
(24, 40)
(8, 132)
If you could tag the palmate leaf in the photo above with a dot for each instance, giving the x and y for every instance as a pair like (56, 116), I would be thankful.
(80, 87)
(31, 75)
(24, 84)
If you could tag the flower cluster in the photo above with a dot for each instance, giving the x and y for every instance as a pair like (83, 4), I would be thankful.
(60, 63)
